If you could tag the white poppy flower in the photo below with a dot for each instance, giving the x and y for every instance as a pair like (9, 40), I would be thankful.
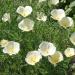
(6, 17)
(56, 58)
(33, 57)
(69, 52)
(41, 16)
(47, 48)
(11, 48)
(72, 38)
(41, 1)
(4, 43)
(24, 11)
(54, 2)
(26, 25)
(66, 22)
(57, 14)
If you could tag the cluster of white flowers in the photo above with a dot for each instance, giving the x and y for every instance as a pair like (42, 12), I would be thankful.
(60, 16)
(26, 24)
(10, 47)
(46, 49)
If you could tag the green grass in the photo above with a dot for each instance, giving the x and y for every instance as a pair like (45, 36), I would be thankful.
(43, 31)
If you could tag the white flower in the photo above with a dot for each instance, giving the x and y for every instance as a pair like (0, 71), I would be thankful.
(57, 14)
(24, 11)
(26, 25)
(11, 48)
(41, 1)
(54, 2)
(47, 48)
(56, 58)
(6, 17)
(4, 43)
(41, 16)
(66, 22)
(33, 57)
(72, 38)
(69, 52)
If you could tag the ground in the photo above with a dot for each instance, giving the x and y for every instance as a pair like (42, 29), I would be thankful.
(43, 31)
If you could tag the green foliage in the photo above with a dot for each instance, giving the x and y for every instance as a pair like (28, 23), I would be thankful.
(43, 31)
